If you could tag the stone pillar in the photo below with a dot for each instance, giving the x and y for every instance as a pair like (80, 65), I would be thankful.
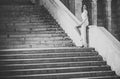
(78, 9)
(109, 15)
(94, 12)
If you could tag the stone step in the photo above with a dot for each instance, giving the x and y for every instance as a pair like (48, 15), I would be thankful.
(4, 37)
(36, 42)
(51, 60)
(27, 30)
(39, 42)
(35, 39)
(53, 70)
(44, 45)
(7, 17)
(22, 9)
(28, 22)
(30, 32)
(33, 24)
(47, 55)
(101, 77)
(22, 18)
(32, 35)
(31, 14)
(52, 65)
(51, 50)
(62, 75)
(11, 26)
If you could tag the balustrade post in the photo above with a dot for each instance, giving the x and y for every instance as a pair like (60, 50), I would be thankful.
(94, 12)
(109, 15)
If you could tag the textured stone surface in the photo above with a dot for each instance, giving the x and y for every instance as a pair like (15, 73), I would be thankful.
(30, 26)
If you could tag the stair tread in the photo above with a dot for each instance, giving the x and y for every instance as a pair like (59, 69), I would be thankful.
(49, 49)
(40, 53)
(59, 68)
(46, 55)
(35, 46)
(53, 70)
(58, 58)
(100, 77)
(66, 75)
(56, 65)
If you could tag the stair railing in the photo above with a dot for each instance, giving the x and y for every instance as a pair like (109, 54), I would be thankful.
(72, 26)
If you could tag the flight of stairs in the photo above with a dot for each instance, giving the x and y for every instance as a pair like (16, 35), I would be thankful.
(58, 63)
(23, 28)
(30, 26)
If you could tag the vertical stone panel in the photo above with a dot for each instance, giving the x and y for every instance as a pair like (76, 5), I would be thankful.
(78, 9)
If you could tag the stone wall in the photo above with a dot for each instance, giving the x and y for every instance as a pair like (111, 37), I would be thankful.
(116, 18)
(101, 13)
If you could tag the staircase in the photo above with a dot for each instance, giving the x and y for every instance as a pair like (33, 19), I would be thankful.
(36, 47)
(30, 26)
